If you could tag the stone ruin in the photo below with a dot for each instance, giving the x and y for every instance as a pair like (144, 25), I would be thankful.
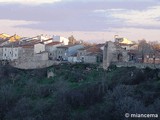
(113, 53)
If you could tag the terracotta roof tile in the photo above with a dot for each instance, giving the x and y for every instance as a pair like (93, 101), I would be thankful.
(53, 43)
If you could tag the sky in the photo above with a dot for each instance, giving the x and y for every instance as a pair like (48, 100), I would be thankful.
(90, 20)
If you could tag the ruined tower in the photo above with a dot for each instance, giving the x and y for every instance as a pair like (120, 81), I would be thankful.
(108, 54)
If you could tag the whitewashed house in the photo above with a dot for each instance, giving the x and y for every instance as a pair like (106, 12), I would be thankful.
(23, 51)
(64, 40)
(10, 52)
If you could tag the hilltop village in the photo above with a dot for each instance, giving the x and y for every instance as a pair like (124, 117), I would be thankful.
(65, 79)
(43, 51)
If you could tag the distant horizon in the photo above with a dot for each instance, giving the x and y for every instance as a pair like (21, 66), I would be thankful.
(94, 21)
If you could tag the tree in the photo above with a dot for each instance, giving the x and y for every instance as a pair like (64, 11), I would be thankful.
(72, 40)
(144, 48)
(7, 99)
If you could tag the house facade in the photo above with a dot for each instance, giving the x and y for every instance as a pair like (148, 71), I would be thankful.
(61, 39)
(92, 58)
(92, 54)
(10, 53)
(63, 52)
(51, 48)
(39, 47)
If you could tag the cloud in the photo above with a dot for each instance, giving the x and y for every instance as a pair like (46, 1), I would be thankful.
(29, 1)
(9, 26)
(13, 23)
(78, 15)
(147, 18)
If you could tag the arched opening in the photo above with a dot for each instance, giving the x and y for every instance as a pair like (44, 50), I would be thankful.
(120, 57)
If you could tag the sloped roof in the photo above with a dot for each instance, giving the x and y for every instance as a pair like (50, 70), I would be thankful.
(94, 49)
(67, 46)
(22, 44)
(14, 38)
(85, 48)
(124, 41)
(4, 36)
(53, 43)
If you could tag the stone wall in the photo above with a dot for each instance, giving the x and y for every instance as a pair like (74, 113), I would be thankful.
(34, 64)
(41, 56)
(1, 53)
(26, 54)
(137, 65)
(90, 59)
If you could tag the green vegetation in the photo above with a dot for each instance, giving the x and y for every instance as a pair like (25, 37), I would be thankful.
(78, 92)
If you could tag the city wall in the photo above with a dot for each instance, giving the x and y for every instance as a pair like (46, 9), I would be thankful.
(137, 65)
(34, 64)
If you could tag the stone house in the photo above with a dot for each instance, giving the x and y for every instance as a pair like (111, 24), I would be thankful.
(93, 58)
(91, 54)
(33, 52)
(27, 53)
(51, 48)
(39, 47)
(82, 53)
(63, 52)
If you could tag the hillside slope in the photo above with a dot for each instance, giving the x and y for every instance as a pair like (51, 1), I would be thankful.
(77, 92)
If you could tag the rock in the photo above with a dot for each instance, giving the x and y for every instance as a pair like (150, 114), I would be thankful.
(50, 74)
